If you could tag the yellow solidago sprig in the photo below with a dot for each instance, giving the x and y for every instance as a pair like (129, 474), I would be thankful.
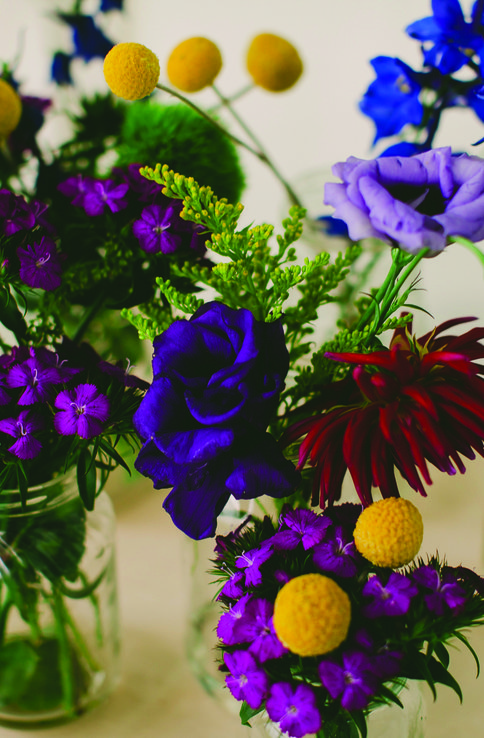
(302, 608)
(255, 271)
(10, 109)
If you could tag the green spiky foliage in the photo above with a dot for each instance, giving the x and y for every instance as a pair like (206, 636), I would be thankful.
(179, 137)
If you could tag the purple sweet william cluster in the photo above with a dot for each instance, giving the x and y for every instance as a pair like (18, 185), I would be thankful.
(29, 249)
(217, 378)
(414, 202)
(387, 613)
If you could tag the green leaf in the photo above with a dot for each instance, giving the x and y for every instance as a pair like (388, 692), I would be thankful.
(440, 675)
(86, 479)
(246, 713)
(113, 454)
(17, 665)
(442, 654)
(466, 643)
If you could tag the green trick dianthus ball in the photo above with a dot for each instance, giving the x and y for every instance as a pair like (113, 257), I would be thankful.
(154, 133)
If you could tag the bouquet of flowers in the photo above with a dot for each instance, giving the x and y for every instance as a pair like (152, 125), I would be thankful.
(325, 614)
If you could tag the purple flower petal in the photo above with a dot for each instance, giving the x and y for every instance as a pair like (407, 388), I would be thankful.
(246, 681)
(294, 708)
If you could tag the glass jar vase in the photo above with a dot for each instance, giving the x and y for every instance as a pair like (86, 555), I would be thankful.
(59, 635)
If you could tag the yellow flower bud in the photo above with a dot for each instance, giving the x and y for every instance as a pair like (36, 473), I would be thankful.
(273, 63)
(389, 532)
(131, 71)
(194, 64)
(10, 109)
(311, 615)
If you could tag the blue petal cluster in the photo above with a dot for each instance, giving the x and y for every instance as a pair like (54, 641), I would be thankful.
(392, 100)
(217, 378)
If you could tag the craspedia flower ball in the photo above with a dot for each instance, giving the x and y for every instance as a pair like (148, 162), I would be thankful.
(311, 615)
(131, 70)
(194, 64)
(273, 63)
(389, 532)
(10, 109)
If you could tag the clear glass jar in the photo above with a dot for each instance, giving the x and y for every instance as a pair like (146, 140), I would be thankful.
(59, 632)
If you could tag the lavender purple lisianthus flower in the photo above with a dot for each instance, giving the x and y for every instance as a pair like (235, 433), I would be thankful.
(414, 202)
(217, 378)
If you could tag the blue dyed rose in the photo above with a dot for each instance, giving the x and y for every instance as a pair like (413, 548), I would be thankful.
(217, 379)
(414, 202)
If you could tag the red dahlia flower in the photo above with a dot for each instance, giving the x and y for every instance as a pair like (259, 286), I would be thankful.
(420, 401)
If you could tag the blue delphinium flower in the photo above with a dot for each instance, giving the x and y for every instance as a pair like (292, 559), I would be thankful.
(60, 71)
(89, 41)
(392, 100)
(453, 40)
(107, 5)
(294, 708)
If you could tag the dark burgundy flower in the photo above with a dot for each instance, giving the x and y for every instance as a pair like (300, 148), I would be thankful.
(419, 402)
(415, 202)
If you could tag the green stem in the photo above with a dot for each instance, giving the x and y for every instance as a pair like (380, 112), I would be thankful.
(211, 120)
(88, 316)
(65, 653)
(232, 98)
(79, 640)
(391, 286)
(263, 155)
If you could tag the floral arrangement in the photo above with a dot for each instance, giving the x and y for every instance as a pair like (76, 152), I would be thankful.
(325, 614)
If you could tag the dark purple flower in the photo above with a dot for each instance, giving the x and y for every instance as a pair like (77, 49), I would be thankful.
(89, 41)
(247, 680)
(15, 213)
(392, 100)
(453, 40)
(392, 598)
(82, 410)
(251, 561)
(444, 592)
(415, 202)
(294, 708)
(217, 379)
(303, 526)
(22, 428)
(228, 625)
(104, 193)
(337, 554)
(123, 376)
(256, 627)
(39, 209)
(76, 188)
(36, 377)
(146, 189)
(233, 587)
(353, 681)
(40, 265)
(154, 229)
(60, 71)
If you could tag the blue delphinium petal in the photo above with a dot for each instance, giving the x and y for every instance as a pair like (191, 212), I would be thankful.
(89, 41)
(61, 68)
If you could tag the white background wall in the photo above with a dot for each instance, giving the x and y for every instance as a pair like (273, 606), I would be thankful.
(307, 128)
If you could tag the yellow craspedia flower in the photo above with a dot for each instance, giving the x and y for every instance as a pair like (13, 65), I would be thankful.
(273, 63)
(10, 109)
(311, 615)
(389, 532)
(131, 71)
(194, 64)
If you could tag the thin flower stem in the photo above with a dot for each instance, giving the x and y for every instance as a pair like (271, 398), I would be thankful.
(264, 156)
(211, 120)
(65, 652)
(232, 98)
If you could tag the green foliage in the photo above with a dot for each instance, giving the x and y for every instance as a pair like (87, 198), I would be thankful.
(181, 138)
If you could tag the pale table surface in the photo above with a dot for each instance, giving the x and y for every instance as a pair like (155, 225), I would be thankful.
(159, 698)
